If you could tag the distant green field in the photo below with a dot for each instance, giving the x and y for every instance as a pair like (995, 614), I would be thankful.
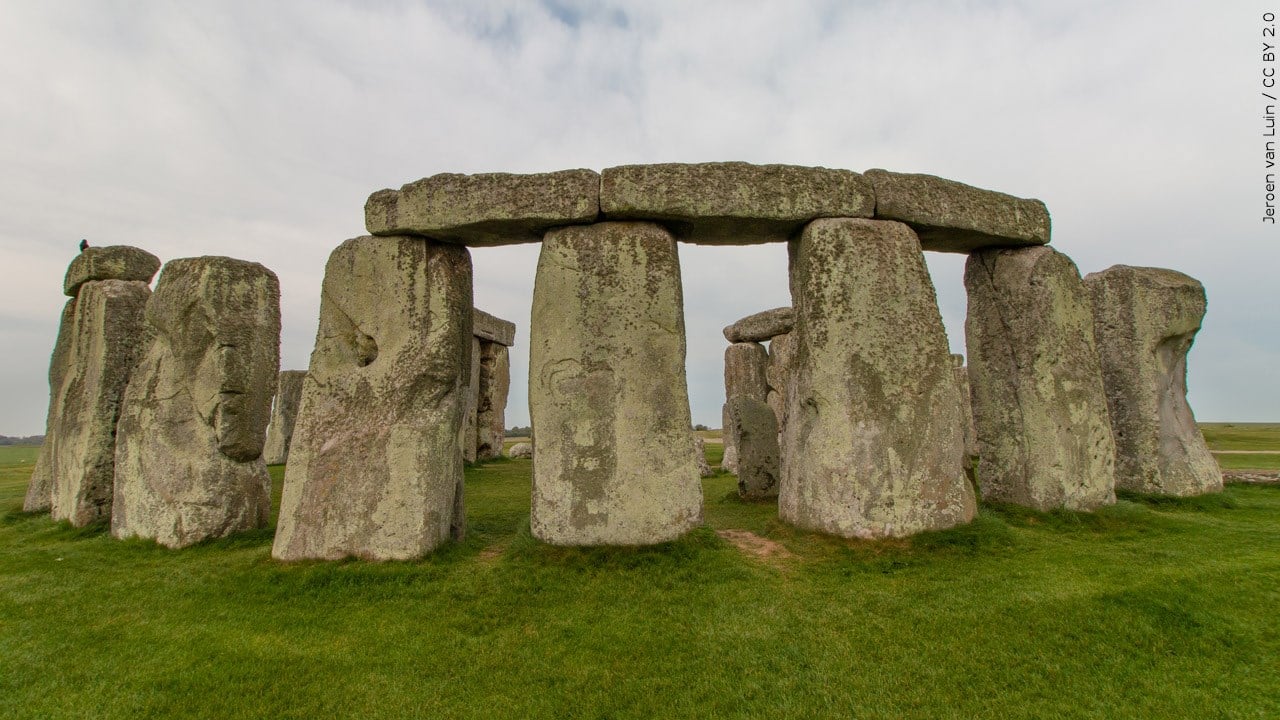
(15, 455)
(1148, 609)
(1242, 436)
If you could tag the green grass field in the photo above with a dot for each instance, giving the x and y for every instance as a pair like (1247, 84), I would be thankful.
(1260, 441)
(1151, 608)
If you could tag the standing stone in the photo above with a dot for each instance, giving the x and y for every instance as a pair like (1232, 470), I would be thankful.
(700, 449)
(467, 434)
(189, 443)
(729, 460)
(107, 338)
(613, 464)
(744, 371)
(777, 374)
(1145, 321)
(755, 433)
(375, 470)
(1038, 403)
(873, 437)
(284, 413)
(39, 496)
(966, 418)
(495, 382)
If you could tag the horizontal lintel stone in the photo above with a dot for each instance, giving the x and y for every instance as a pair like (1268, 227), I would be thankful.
(112, 262)
(492, 328)
(761, 326)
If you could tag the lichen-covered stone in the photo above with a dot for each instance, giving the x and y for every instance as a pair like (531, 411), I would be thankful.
(873, 438)
(732, 203)
(493, 329)
(495, 383)
(112, 262)
(521, 450)
(744, 370)
(467, 433)
(193, 422)
(953, 217)
(613, 464)
(375, 468)
(729, 460)
(1038, 404)
(761, 326)
(700, 450)
(777, 374)
(284, 414)
(39, 497)
(961, 372)
(485, 209)
(755, 434)
(1145, 322)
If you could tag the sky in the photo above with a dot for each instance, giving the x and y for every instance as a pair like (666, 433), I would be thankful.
(257, 130)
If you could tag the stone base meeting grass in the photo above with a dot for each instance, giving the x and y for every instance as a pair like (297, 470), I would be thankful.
(1151, 608)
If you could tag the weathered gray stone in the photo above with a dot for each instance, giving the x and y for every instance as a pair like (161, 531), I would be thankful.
(760, 327)
(966, 418)
(777, 373)
(112, 262)
(732, 203)
(700, 449)
(1038, 403)
(953, 217)
(107, 338)
(521, 450)
(729, 461)
(284, 414)
(467, 433)
(1145, 322)
(755, 434)
(493, 329)
(485, 209)
(495, 383)
(375, 468)
(193, 422)
(872, 442)
(744, 370)
(39, 496)
(613, 464)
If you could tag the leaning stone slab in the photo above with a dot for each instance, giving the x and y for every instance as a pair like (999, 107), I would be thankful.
(107, 339)
(39, 496)
(755, 434)
(1038, 403)
(375, 469)
(1146, 320)
(493, 329)
(194, 418)
(112, 262)
(953, 217)
(495, 383)
(760, 327)
(613, 463)
(284, 414)
(732, 203)
(873, 434)
(485, 209)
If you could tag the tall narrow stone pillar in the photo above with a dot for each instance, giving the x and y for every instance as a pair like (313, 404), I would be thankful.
(495, 383)
(1038, 403)
(745, 367)
(961, 371)
(194, 418)
(375, 468)
(284, 414)
(1146, 320)
(467, 435)
(39, 496)
(873, 438)
(613, 463)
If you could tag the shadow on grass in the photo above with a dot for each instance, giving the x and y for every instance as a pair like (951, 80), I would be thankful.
(1195, 503)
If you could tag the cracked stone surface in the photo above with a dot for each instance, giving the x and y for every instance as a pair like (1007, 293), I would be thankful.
(873, 439)
(613, 462)
(375, 468)
(1146, 320)
(193, 422)
(1043, 431)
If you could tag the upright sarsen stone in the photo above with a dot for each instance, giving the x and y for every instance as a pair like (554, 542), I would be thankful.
(613, 463)
(873, 439)
(1145, 321)
(1038, 404)
(375, 468)
(189, 443)
(495, 383)
(39, 496)
(284, 413)
(754, 430)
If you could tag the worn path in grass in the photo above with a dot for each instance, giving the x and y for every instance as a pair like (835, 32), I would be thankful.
(1148, 609)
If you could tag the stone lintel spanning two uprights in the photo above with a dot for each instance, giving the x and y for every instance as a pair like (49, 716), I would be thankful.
(725, 203)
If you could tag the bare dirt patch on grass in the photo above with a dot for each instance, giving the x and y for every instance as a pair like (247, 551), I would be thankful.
(756, 547)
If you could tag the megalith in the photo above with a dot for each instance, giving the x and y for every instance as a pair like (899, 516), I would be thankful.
(700, 452)
(761, 326)
(745, 367)
(777, 374)
(613, 463)
(1038, 402)
(754, 429)
(1145, 321)
(467, 433)
(961, 371)
(494, 384)
(284, 413)
(100, 338)
(375, 467)
(193, 422)
(873, 437)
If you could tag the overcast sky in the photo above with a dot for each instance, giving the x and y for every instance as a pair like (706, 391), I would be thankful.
(257, 130)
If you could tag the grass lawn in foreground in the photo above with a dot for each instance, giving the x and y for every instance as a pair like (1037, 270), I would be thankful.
(1149, 609)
